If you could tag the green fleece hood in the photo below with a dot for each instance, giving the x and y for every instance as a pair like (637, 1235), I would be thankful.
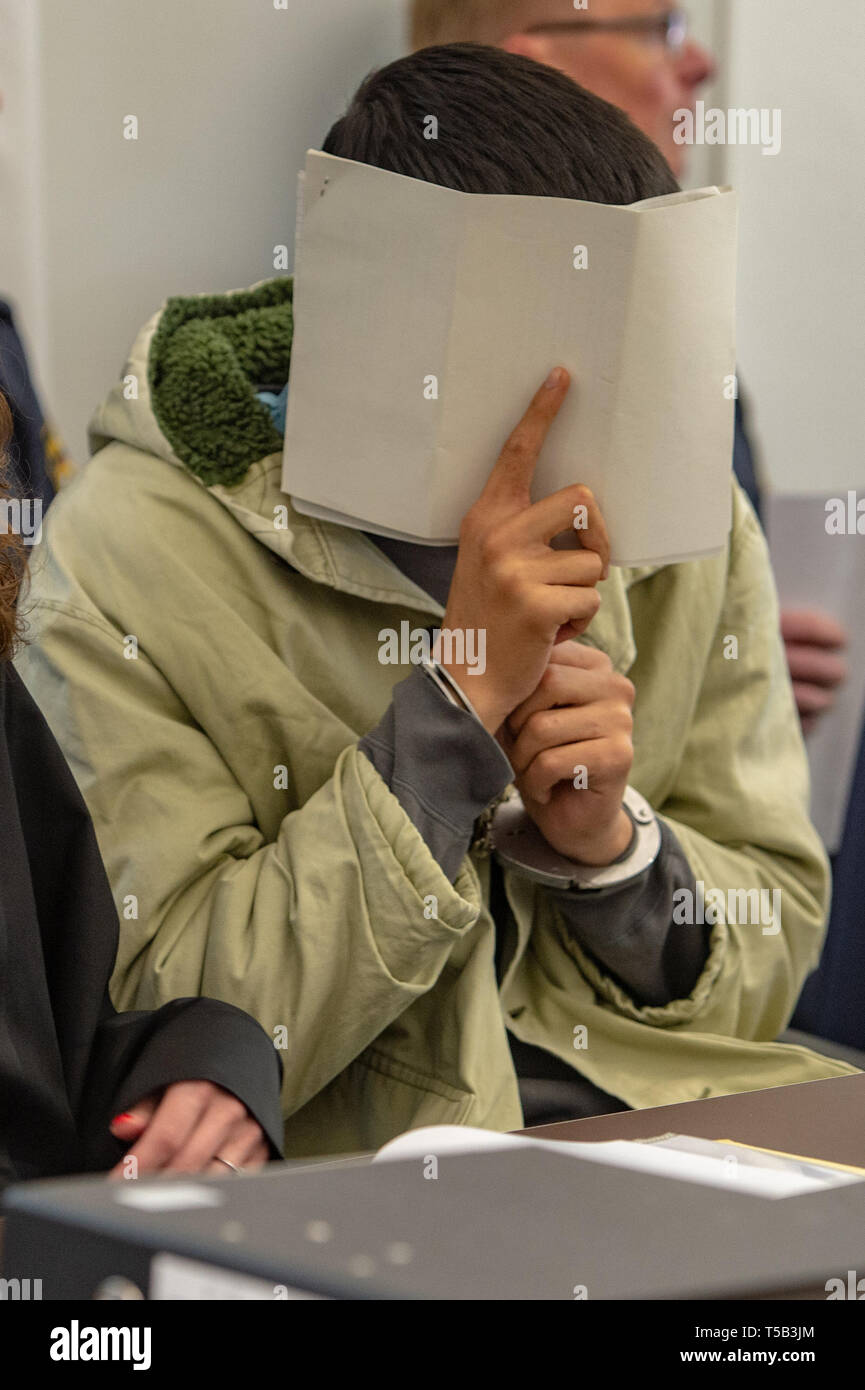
(203, 359)
(188, 395)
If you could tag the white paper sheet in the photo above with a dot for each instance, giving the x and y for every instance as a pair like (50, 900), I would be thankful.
(174, 1278)
(728, 1170)
(399, 282)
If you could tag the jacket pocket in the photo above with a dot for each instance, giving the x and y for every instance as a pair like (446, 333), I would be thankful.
(376, 1098)
(409, 1089)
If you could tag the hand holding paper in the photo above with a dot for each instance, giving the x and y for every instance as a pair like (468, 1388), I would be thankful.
(509, 583)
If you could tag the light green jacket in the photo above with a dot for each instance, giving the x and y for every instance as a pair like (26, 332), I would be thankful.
(208, 659)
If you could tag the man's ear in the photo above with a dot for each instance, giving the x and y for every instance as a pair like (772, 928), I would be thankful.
(525, 46)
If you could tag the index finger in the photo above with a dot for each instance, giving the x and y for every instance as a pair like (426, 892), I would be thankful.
(512, 474)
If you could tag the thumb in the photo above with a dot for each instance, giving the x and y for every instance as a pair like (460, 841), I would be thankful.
(131, 1124)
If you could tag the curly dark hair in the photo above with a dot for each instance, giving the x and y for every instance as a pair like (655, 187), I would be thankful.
(13, 561)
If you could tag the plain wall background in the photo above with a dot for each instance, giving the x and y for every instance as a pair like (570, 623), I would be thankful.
(21, 262)
(96, 231)
(801, 284)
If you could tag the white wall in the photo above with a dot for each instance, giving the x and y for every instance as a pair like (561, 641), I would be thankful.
(708, 25)
(801, 284)
(228, 93)
(20, 186)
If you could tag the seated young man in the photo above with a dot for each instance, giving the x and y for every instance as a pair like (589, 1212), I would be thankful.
(288, 822)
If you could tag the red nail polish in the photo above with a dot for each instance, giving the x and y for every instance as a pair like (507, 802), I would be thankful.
(117, 1118)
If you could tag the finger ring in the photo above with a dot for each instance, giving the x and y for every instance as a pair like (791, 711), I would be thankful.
(232, 1166)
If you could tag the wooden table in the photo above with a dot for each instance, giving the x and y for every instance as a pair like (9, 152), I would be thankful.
(817, 1119)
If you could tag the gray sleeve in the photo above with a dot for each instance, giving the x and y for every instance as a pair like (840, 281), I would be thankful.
(441, 765)
(631, 934)
(445, 770)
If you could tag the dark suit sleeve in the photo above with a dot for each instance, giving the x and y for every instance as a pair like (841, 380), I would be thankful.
(64, 945)
(743, 461)
(137, 1054)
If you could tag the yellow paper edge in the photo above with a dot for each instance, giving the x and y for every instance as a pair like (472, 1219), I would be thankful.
(801, 1158)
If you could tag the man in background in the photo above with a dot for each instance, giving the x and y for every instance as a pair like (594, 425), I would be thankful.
(633, 53)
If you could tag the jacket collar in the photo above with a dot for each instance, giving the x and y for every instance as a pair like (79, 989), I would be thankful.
(323, 552)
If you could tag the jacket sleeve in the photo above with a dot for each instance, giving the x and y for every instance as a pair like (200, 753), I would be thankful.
(137, 1054)
(445, 769)
(738, 806)
(325, 930)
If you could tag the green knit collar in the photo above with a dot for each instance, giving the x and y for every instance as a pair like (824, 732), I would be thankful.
(208, 357)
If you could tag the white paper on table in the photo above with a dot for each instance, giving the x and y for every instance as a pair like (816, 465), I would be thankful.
(398, 280)
(724, 1171)
(175, 1278)
(825, 572)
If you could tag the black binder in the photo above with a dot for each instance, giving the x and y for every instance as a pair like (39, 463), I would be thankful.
(512, 1225)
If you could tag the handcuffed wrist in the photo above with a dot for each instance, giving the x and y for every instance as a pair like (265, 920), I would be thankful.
(586, 854)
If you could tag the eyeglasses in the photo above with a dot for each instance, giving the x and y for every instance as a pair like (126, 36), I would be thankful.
(671, 27)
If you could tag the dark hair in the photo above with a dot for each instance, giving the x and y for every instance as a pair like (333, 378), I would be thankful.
(12, 554)
(506, 124)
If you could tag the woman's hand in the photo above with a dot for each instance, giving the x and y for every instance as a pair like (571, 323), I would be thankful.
(183, 1128)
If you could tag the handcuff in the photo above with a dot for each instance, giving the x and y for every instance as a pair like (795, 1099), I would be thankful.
(508, 832)
(518, 845)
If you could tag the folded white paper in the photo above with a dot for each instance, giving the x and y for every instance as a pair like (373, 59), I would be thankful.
(425, 320)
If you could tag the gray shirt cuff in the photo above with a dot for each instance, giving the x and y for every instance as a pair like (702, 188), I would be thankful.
(441, 765)
(631, 933)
